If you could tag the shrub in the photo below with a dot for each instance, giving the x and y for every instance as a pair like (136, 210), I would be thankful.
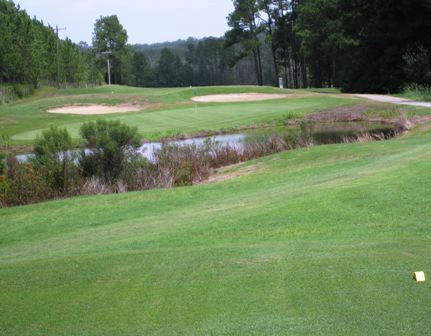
(417, 92)
(224, 155)
(54, 159)
(418, 68)
(2, 163)
(22, 91)
(184, 164)
(24, 186)
(111, 146)
(128, 179)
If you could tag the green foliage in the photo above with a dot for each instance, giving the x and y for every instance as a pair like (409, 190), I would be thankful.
(111, 145)
(169, 71)
(141, 69)
(2, 163)
(110, 36)
(75, 69)
(244, 33)
(23, 185)
(54, 159)
(418, 68)
(51, 143)
(416, 92)
(206, 62)
(360, 46)
(22, 91)
(28, 51)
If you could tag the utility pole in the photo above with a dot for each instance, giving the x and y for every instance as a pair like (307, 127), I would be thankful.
(107, 53)
(57, 29)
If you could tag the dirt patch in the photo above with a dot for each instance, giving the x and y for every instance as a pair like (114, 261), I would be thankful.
(238, 97)
(94, 109)
(341, 114)
(226, 173)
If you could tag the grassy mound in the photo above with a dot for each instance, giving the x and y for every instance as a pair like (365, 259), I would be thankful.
(319, 241)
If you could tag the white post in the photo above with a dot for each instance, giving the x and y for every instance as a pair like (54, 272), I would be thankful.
(281, 83)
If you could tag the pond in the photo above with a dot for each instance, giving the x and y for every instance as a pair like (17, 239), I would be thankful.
(321, 133)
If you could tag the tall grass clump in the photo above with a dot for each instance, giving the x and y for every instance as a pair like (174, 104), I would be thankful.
(417, 92)
(418, 72)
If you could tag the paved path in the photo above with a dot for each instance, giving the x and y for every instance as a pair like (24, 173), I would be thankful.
(394, 100)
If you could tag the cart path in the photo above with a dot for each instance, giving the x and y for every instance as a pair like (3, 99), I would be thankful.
(394, 100)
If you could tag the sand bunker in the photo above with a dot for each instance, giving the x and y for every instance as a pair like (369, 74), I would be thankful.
(238, 97)
(96, 109)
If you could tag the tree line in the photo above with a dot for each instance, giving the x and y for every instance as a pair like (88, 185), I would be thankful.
(29, 51)
(33, 54)
(373, 45)
(359, 46)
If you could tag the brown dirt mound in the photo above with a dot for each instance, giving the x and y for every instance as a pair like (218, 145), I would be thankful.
(94, 109)
(238, 97)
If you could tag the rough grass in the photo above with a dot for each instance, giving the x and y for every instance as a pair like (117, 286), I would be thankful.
(416, 94)
(321, 241)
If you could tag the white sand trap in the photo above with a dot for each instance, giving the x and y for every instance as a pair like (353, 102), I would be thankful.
(238, 97)
(96, 109)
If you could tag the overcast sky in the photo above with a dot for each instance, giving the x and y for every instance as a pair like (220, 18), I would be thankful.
(146, 21)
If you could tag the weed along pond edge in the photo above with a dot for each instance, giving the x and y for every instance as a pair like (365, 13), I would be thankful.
(322, 133)
(171, 164)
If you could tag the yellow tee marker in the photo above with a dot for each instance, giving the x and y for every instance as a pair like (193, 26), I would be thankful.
(419, 276)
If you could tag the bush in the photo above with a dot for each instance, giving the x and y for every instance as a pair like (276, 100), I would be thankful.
(111, 147)
(184, 164)
(54, 159)
(417, 92)
(2, 163)
(22, 91)
(23, 185)
(418, 68)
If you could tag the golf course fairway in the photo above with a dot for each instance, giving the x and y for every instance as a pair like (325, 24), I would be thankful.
(307, 242)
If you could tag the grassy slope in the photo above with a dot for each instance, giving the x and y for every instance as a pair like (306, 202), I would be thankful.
(319, 241)
(24, 120)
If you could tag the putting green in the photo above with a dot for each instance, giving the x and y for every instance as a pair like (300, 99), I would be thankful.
(23, 122)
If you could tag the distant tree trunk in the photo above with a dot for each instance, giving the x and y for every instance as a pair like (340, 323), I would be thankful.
(334, 72)
(259, 60)
(273, 47)
(304, 72)
(295, 73)
(291, 76)
(256, 50)
(256, 67)
(286, 69)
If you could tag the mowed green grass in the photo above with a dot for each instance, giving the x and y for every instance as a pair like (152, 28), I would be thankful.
(319, 241)
(171, 110)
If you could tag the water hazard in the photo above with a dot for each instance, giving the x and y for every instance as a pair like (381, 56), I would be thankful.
(321, 133)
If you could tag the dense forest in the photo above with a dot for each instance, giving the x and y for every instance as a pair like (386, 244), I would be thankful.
(29, 51)
(360, 46)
